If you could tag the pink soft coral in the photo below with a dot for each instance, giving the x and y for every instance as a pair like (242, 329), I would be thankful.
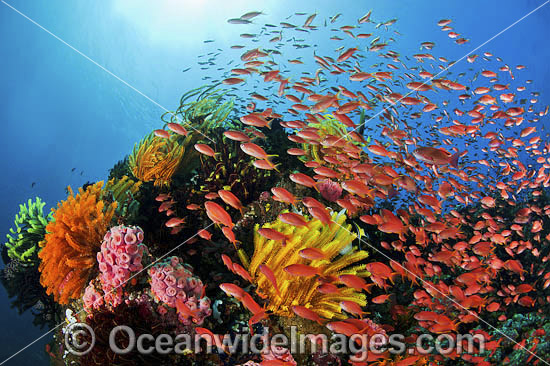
(92, 298)
(121, 254)
(171, 280)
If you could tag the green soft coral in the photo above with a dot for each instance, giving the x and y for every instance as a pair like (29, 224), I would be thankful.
(30, 228)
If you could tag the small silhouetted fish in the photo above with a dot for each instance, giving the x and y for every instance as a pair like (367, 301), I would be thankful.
(239, 21)
(186, 69)
(208, 41)
(250, 15)
(81, 172)
(73, 169)
(287, 25)
(33, 184)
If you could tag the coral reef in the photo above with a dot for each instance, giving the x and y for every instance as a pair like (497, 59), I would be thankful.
(73, 237)
(307, 225)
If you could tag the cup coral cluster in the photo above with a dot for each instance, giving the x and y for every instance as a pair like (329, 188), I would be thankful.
(171, 280)
(121, 254)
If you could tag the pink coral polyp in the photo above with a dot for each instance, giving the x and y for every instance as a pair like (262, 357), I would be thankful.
(121, 254)
(92, 298)
(170, 280)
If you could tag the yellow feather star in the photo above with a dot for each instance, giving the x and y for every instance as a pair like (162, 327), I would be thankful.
(296, 290)
(156, 159)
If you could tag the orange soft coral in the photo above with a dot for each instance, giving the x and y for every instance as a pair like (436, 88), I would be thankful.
(72, 240)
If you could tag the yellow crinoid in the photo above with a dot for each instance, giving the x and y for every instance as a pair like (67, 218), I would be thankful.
(341, 257)
(156, 159)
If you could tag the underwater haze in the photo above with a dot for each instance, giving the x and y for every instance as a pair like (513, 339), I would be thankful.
(85, 84)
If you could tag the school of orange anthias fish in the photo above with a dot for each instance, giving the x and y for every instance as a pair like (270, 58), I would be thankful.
(412, 197)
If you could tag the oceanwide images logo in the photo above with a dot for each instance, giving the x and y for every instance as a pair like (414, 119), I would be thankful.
(80, 340)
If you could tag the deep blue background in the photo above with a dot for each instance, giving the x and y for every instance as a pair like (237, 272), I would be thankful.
(58, 110)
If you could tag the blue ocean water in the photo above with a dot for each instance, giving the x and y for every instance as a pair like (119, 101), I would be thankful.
(83, 99)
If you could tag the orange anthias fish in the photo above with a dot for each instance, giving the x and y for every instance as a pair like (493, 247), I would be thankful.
(232, 81)
(217, 214)
(265, 165)
(250, 304)
(212, 338)
(232, 290)
(354, 281)
(205, 234)
(304, 180)
(302, 270)
(312, 254)
(238, 269)
(177, 128)
(228, 233)
(282, 195)
(273, 234)
(228, 262)
(352, 307)
(205, 149)
(328, 288)
(231, 199)
(256, 120)
(344, 328)
(293, 219)
(254, 150)
(173, 222)
(268, 273)
(380, 299)
(306, 313)
(184, 310)
(436, 156)
(236, 136)
(321, 214)
(162, 133)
